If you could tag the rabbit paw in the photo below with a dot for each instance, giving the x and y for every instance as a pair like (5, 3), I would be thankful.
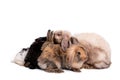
(87, 66)
(54, 70)
(75, 70)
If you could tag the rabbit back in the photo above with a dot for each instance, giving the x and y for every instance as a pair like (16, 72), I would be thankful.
(98, 49)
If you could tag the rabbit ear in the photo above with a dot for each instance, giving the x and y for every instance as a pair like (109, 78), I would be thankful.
(65, 44)
(51, 36)
(74, 40)
(48, 35)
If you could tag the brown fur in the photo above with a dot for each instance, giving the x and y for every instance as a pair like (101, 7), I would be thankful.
(50, 59)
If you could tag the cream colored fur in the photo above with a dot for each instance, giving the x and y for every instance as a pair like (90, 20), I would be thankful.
(19, 58)
(98, 49)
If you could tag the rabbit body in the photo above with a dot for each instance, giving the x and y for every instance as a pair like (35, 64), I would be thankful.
(98, 50)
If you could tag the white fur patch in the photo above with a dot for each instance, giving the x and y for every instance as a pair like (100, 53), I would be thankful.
(19, 58)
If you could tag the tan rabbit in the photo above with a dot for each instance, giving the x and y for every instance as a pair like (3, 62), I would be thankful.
(98, 50)
(50, 59)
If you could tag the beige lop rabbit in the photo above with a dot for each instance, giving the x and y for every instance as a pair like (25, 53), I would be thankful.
(98, 50)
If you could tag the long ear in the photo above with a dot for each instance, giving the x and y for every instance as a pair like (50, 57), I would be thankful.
(47, 40)
(48, 35)
(74, 40)
(65, 44)
(51, 37)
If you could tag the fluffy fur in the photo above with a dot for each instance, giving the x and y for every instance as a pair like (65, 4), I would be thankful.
(50, 59)
(98, 50)
(59, 35)
(75, 57)
(34, 52)
(62, 37)
(19, 58)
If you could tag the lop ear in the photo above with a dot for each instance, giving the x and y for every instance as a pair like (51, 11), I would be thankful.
(65, 44)
(74, 40)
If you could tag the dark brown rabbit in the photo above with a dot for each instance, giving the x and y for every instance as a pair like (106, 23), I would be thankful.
(50, 59)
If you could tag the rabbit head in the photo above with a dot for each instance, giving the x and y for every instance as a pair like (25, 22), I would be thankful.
(76, 55)
(62, 37)
(49, 60)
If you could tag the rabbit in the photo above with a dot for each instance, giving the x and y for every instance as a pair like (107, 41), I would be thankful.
(34, 52)
(98, 50)
(19, 58)
(50, 59)
(62, 37)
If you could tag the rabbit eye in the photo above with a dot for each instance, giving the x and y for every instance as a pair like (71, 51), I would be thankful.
(78, 53)
(58, 34)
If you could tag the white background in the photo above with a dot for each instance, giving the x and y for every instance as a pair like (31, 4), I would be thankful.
(21, 21)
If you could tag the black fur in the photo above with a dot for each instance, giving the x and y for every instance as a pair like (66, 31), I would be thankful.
(34, 52)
